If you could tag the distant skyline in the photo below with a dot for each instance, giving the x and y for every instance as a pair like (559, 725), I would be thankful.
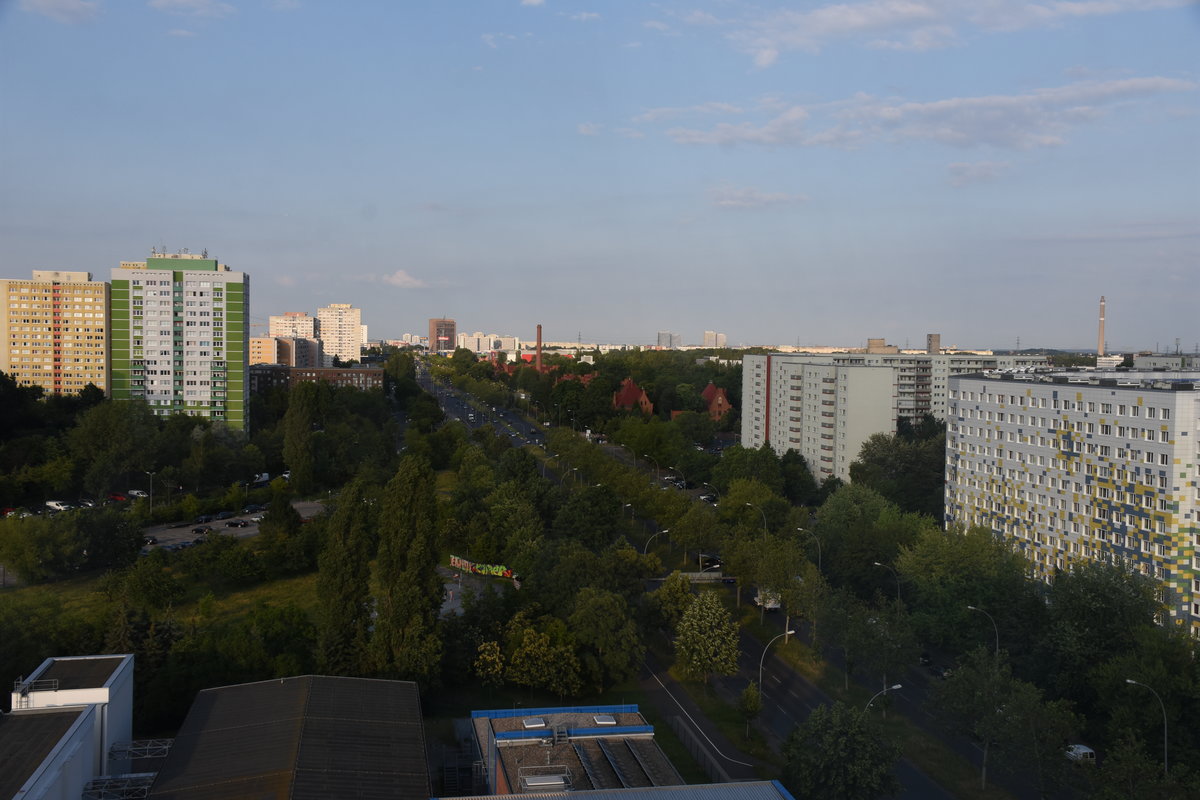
(817, 173)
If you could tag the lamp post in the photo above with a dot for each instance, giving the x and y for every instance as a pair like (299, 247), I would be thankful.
(815, 539)
(1164, 713)
(646, 547)
(884, 690)
(715, 491)
(764, 517)
(151, 474)
(897, 574)
(764, 657)
(630, 507)
(657, 469)
(682, 477)
(994, 628)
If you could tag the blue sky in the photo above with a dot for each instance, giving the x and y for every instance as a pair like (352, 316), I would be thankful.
(805, 171)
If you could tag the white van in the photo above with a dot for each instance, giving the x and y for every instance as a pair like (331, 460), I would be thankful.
(58, 505)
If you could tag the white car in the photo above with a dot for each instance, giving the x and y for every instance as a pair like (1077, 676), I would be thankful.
(136, 493)
(58, 505)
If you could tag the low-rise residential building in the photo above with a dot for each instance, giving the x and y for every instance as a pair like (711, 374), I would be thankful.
(1076, 466)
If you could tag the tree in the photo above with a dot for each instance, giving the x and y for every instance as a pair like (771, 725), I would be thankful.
(671, 600)
(298, 425)
(750, 704)
(609, 648)
(843, 625)
(707, 643)
(834, 754)
(489, 664)
(906, 468)
(343, 578)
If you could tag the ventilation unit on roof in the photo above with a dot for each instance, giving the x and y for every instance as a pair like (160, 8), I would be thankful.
(604, 719)
(531, 723)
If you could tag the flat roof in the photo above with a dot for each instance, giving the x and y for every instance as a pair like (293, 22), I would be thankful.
(304, 737)
(27, 737)
(740, 790)
(85, 672)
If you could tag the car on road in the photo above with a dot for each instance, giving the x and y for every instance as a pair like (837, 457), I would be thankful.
(202, 530)
(237, 523)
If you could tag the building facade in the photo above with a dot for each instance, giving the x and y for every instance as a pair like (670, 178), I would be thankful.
(289, 350)
(293, 323)
(54, 331)
(340, 329)
(825, 411)
(179, 336)
(1077, 466)
(443, 334)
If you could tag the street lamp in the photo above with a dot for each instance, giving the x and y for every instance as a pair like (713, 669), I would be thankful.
(151, 474)
(657, 469)
(897, 574)
(1164, 713)
(818, 541)
(646, 548)
(715, 491)
(764, 657)
(994, 628)
(764, 517)
(630, 507)
(682, 477)
(884, 690)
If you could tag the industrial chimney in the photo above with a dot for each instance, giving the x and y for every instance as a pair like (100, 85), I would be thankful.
(1100, 338)
(538, 357)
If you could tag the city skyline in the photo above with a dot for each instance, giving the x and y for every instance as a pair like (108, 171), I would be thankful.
(854, 170)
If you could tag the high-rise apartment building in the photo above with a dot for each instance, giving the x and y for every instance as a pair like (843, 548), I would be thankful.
(340, 329)
(1077, 466)
(710, 338)
(54, 331)
(179, 336)
(442, 335)
(720, 340)
(825, 411)
(293, 323)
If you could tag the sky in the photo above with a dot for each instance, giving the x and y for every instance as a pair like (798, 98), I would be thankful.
(785, 173)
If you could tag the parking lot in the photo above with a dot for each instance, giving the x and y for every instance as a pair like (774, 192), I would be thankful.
(183, 533)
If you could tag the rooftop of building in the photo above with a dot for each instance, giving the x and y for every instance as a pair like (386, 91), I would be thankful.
(303, 737)
(27, 737)
(1149, 380)
(78, 672)
(594, 747)
(742, 790)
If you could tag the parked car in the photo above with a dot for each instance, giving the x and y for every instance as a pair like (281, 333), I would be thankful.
(259, 518)
(117, 496)
(236, 523)
(58, 505)
(202, 530)
(203, 518)
(149, 540)
(253, 508)
(136, 493)
(224, 515)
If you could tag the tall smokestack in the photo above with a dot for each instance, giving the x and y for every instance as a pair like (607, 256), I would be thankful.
(538, 358)
(1100, 339)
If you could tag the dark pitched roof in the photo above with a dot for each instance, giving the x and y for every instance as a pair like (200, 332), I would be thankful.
(307, 737)
(26, 738)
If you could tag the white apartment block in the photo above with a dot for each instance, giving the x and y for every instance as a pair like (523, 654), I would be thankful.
(823, 410)
(1071, 466)
(54, 331)
(340, 329)
(292, 324)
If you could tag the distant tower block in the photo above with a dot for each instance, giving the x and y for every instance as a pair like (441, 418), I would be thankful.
(933, 344)
(1100, 337)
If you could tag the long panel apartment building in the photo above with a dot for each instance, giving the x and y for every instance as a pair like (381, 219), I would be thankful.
(1072, 466)
(179, 336)
(782, 408)
(54, 331)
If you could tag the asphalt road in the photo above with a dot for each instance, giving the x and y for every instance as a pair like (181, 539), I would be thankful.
(180, 532)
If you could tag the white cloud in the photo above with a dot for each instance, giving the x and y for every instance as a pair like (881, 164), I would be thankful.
(585, 16)
(964, 173)
(403, 280)
(908, 24)
(671, 112)
(726, 196)
(213, 9)
(588, 129)
(492, 39)
(1040, 118)
(65, 11)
